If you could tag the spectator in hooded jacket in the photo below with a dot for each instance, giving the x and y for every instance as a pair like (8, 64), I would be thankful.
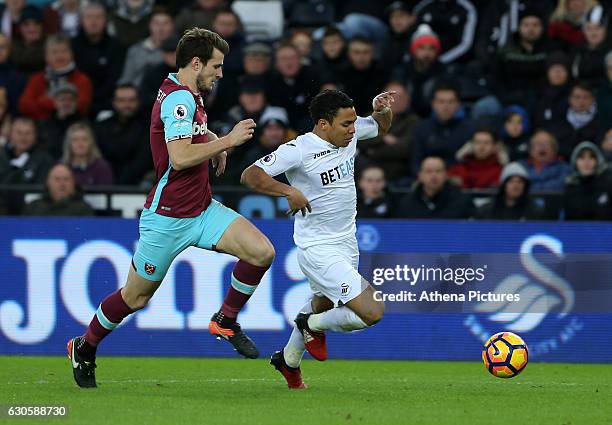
(515, 132)
(512, 201)
(588, 190)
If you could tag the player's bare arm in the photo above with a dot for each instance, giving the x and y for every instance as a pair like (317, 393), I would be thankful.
(258, 180)
(220, 161)
(184, 154)
(382, 111)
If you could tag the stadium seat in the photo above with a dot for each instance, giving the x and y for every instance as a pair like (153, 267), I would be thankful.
(262, 20)
(311, 13)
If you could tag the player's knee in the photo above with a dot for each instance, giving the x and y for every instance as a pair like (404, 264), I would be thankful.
(138, 302)
(264, 254)
(141, 302)
(374, 315)
(135, 301)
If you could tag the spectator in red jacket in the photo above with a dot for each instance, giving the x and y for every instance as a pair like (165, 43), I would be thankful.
(565, 24)
(36, 101)
(480, 161)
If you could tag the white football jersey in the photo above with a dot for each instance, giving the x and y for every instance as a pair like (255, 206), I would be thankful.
(324, 173)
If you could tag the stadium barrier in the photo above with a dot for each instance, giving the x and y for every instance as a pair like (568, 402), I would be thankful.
(127, 201)
(57, 271)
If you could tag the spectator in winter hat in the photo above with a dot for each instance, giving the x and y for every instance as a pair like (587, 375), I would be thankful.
(588, 190)
(512, 202)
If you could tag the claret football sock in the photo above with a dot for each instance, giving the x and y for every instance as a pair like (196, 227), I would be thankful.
(109, 315)
(245, 278)
(341, 319)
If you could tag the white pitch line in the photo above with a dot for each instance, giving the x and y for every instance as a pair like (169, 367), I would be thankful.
(149, 381)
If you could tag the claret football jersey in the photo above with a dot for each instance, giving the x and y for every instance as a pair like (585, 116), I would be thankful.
(178, 113)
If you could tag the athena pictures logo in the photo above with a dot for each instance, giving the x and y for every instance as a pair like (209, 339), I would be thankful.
(268, 159)
(180, 112)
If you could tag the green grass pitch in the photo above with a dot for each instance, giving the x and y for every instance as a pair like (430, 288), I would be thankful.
(234, 391)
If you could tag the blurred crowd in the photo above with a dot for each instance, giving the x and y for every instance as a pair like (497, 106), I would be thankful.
(514, 96)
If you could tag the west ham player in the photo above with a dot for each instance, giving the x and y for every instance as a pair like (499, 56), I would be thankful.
(319, 167)
(179, 211)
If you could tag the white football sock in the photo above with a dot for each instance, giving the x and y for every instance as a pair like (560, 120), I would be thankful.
(341, 319)
(294, 350)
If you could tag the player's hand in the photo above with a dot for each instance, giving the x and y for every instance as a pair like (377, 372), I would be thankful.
(383, 100)
(242, 132)
(298, 202)
(219, 162)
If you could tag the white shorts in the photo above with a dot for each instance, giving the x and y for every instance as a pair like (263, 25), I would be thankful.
(331, 270)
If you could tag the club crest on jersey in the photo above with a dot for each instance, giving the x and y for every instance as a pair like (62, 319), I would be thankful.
(180, 112)
(268, 159)
(199, 129)
(149, 268)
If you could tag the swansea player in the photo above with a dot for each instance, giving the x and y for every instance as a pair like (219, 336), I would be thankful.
(179, 211)
(320, 169)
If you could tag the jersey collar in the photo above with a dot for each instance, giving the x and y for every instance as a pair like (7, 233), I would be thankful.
(324, 142)
(172, 77)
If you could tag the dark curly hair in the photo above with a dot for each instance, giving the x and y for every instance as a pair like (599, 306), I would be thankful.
(325, 105)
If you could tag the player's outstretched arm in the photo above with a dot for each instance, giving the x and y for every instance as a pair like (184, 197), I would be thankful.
(184, 154)
(258, 180)
(382, 111)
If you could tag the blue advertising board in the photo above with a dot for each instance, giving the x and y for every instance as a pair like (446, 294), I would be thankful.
(56, 271)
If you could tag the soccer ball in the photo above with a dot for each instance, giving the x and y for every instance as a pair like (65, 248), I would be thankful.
(505, 355)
